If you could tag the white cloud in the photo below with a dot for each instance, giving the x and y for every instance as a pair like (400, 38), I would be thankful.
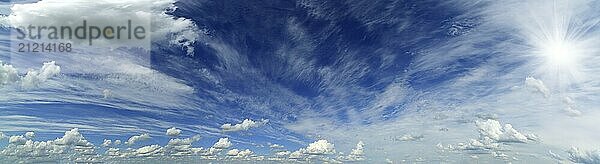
(357, 154)
(245, 125)
(359, 150)
(178, 146)
(492, 129)
(17, 140)
(147, 151)
(29, 135)
(117, 142)
(239, 154)
(174, 132)
(570, 109)
(282, 153)
(223, 143)
(580, 156)
(113, 152)
(34, 78)
(408, 137)
(276, 146)
(73, 137)
(297, 154)
(106, 93)
(245, 153)
(106, 143)
(320, 147)
(537, 85)
(138, 138)
(178, 31)
(71, 142)
(233, 152)
(8, 74)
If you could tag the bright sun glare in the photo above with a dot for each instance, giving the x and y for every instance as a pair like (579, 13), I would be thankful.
(559, 52)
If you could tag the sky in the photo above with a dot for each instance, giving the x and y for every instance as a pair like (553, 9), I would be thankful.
(306, 81)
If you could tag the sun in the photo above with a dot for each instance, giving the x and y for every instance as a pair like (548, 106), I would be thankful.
(559, 52)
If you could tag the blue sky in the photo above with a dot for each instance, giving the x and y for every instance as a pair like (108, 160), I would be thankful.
(433, 81)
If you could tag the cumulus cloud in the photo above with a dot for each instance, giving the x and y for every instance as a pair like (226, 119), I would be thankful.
(359, 150)
(283, 153)
(29, 135)
(117, 142)
(181, 146)
(8, 74)
(357, 154)
(492, 137)
(492, 129)
(174, 132)
(34, 78)
(71, 142)
(147, 151)
(276, 146)
(239, 154)
(17, 140)
(537, 85)
(138, 138)
(245, 125)
(320, 147)
(223, 143)
(106, 143)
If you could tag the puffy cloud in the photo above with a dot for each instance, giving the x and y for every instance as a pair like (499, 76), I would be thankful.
(73, 137)
(320, 147)
(357, 154)
(113, 152)
(297, 154)
(359, 150)
(537, 85)
(245, 125)
(181, 146)
(29, 135)
(17, 140)
(138, 138)
(282, 153)
(106, 143)
(72, 141)
(173, 132)
(8, 74)
(106, 93)
(580, 156)
(276, 146)
(34, 78)
(148, 151)
(223, 143)
(239, 154)
(492, 129)
(117, 142)
(245, 153)
(233, 152)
